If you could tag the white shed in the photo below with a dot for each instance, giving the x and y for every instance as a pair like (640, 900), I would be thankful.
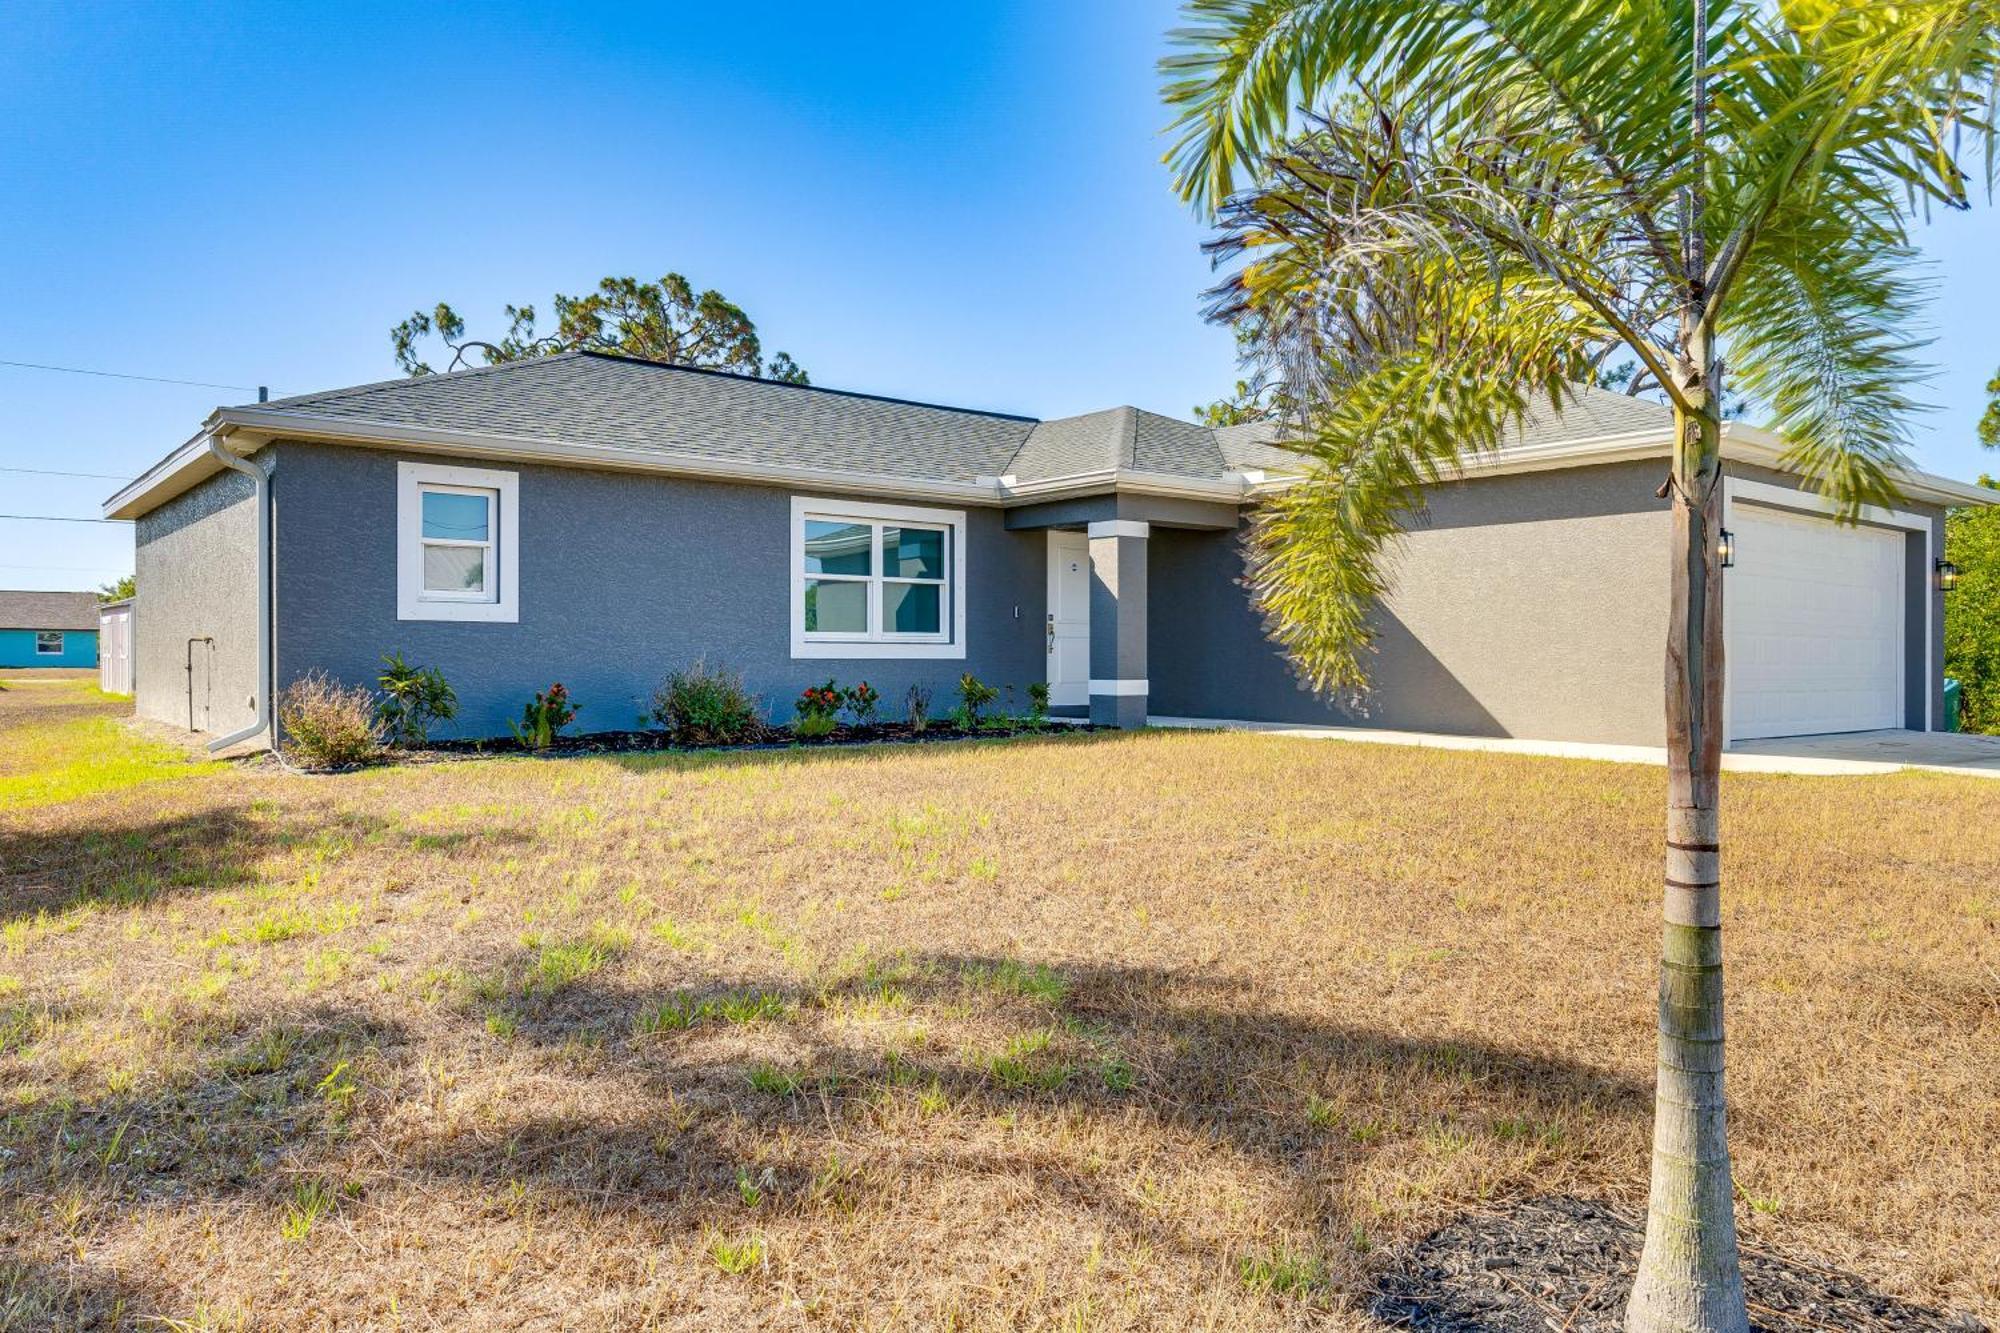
(114, 647)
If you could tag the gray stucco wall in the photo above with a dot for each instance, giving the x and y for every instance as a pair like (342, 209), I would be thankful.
(196, 562)
(1531, 605)
(622, 577)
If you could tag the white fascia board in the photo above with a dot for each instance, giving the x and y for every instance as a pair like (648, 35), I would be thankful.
(173, 474)
(186, 465)
(1132, 481)
(1740, 443)
(192, 462)
(1753, 444)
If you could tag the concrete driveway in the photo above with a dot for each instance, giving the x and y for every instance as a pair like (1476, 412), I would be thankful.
(1857, 752)
(1880, 751)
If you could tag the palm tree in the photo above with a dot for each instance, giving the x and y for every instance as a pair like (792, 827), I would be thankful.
(1443, 211)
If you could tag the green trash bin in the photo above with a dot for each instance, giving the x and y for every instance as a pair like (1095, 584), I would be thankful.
(1950, 704)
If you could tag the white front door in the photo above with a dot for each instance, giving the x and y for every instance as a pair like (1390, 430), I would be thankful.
(1069, 619)
(1814, 613)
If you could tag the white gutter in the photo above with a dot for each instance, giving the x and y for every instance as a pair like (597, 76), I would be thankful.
(270, 424)
(1740, 444)
(261, 484)
(193, 461)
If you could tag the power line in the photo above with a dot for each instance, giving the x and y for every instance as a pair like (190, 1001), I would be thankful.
(120, 375)
(74, 569)
(59, 518)
(52, 472)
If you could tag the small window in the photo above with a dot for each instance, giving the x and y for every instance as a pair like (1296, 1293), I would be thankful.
(458, 542)
(456, 545)
(876, 580)
(48, 643)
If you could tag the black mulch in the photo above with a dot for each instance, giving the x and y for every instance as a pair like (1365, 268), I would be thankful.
(769, 738)
(1563, 1265)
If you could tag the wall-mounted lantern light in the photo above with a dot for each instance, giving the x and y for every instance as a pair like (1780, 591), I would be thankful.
(1726, 548)
(1947, 575)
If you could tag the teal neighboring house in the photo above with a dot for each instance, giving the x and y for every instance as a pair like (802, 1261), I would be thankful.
(48, 629)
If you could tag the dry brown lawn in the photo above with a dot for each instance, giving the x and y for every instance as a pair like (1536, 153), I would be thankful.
(1164, 1030)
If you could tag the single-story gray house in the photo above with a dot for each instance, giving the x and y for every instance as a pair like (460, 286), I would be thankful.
(597, 520)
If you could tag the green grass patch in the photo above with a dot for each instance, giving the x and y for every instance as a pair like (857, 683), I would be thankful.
(558, 966)
(773, 1081)
(682, 1011)
(67, 760)
(1010, 977)
(1029, 1061)
(1282, 1271)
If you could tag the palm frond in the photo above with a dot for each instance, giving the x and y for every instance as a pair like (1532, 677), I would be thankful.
(1820, 332)
(1244, 69)
(1413, 340)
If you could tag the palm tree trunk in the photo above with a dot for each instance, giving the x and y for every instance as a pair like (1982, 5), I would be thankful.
(1689, 1279)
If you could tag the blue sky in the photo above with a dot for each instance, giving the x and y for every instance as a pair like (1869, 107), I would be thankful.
(956, 203)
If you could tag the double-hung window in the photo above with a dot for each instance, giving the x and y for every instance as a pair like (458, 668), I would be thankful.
(48, 643)
(456, 543)
(877, 580)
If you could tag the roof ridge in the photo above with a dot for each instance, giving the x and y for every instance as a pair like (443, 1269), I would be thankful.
(808, 388)
(1128, 427)
(435, 376)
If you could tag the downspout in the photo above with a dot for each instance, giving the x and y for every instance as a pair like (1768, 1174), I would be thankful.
(261, 483)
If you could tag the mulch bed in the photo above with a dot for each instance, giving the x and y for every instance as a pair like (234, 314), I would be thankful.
(1564, 1265)
(769, 738)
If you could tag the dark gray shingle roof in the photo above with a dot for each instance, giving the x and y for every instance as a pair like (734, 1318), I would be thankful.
(589, 398)
(1593, 412)
(48, 610)
(583, 398)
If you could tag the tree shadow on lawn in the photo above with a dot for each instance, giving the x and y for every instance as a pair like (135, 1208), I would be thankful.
(275, 1097)
(1129, 1051)
(55, 867)
(68, 1295)
(673, 1124)
(1144, 1052)
(669, 1111)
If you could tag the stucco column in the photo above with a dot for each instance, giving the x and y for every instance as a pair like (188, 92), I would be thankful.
(1118, 622)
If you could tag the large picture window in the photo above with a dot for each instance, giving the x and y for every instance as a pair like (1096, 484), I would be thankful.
(456, 543)
(876, 580)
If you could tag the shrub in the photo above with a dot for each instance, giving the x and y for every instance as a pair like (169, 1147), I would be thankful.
(861, 701)
(917, 707)
(704, 705)
(544, 717)
(817, 707)
(1038, 702)
(327, 724)
(412, 699)
(973, 695)
(1972, 614)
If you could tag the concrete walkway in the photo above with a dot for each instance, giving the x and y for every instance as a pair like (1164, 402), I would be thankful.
(1852, 753)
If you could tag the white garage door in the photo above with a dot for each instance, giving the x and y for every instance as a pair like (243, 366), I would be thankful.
(1814, 613)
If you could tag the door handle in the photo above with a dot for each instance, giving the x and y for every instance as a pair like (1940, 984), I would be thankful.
(1052, 634)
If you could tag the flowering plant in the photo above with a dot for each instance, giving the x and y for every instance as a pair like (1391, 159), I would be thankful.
(549, 712)
(861, 700)
(819, 701)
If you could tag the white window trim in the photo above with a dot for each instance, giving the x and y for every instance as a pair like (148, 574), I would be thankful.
(1740, 489)
(412, 602)
(808, 647)
(62, 643)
